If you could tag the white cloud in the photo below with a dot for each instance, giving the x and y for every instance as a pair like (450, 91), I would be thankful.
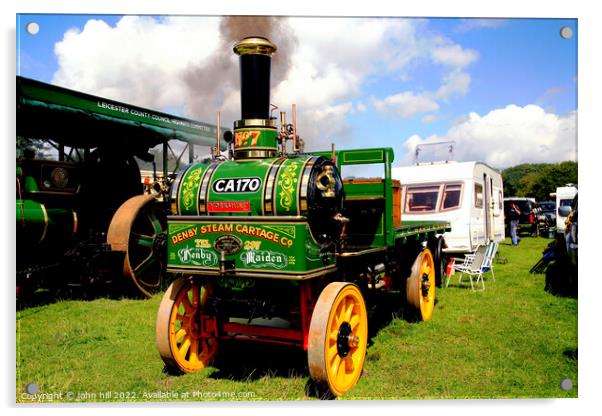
(185, 63)
(405, 104)
(139, 61)
(154, 62)
(309, 85)
(334, 57)
(320, 127)
(453, 55)
(455, 84)
(509, 136)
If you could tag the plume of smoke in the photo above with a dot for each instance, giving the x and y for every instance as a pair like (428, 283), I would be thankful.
(214, 84)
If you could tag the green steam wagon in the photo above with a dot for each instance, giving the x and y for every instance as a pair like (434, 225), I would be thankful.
(274, 236)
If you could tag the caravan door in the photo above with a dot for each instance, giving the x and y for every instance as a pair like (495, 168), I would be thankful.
(477, 220)
(488, 206)
(483, 211)
(498, 213)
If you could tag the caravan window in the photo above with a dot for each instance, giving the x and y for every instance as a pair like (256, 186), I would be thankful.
(500, 202)
(422, 198)
(478, 195)
(451, 196)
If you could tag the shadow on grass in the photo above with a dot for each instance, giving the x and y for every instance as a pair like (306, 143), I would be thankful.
(45, 296)
(50, 294)
(570, 354)
(383, 308)
(243, 360)
(561, 279)
(250, 360)
(465, 285)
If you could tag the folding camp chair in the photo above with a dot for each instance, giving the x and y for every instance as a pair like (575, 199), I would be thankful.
(476, 264)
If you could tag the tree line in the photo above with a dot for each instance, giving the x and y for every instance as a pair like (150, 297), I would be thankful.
(538, 180)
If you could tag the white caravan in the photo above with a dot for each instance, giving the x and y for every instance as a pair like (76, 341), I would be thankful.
(470, 195)
(564, 197)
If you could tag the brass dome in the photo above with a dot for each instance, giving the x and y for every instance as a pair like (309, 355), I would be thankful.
(254, 45)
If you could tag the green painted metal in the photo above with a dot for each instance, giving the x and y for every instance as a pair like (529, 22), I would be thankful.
(380, 193)
(228, 176)
(37, 223)
(384, 236)
(360, 156)
(426, 228)
(30, 184)
(242, 187)
(255, 138)
(79, 111)
(360, 190)
(388, 215)
(283, 247)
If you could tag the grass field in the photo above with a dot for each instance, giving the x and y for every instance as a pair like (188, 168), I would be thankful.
(514, 340)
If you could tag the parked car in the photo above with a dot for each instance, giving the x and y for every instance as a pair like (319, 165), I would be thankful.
(546, 216)
(528, 211)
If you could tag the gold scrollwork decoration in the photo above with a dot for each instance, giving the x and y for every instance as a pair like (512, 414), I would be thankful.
(189, 186)
(287, 184)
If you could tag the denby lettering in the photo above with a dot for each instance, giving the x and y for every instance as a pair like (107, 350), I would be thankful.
(184, 235)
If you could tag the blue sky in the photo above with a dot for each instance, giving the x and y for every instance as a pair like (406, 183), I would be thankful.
(36, 53)
(504, 90)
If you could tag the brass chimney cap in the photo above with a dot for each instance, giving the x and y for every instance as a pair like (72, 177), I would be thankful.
(254, 45)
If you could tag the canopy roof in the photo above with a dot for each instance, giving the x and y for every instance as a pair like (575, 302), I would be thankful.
(75, 119)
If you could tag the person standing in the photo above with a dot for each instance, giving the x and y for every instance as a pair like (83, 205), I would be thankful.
(514, 214)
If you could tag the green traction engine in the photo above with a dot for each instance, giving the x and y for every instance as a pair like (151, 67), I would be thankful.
(266, 234)
(85, 223)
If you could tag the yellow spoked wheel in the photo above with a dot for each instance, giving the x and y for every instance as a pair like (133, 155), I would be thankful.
(338, 336)
(178, 330)
(420, 286)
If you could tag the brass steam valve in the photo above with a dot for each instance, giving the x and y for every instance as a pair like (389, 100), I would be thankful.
(326, 182)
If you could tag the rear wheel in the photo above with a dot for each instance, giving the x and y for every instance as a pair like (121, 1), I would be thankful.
(420, 286)
(338, 336)
(439, 260)
(181, 344)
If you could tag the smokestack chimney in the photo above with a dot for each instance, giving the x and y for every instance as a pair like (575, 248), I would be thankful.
(255, 135)
(255, 62)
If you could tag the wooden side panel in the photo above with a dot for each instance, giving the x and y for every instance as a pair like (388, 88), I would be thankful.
(396, 203)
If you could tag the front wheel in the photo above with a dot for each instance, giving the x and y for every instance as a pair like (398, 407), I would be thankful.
(338, 337)
(180, 341)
